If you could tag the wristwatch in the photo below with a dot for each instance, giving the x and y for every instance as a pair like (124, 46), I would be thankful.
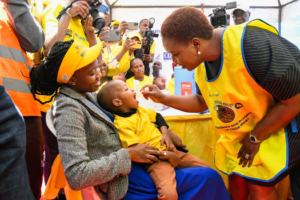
(254, 139)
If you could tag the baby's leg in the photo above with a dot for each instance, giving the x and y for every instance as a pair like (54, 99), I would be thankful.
(189, 160)
(163, 176)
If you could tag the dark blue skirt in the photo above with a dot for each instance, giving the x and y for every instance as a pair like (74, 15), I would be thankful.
(192, 184)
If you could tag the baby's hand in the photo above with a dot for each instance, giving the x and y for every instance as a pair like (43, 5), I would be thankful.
(166, 139)
(175, 139)
(171, 157)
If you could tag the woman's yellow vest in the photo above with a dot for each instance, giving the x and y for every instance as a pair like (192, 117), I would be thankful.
(237, 103)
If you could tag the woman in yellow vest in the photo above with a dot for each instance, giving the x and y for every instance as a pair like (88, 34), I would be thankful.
(249, 80)
(138, 68)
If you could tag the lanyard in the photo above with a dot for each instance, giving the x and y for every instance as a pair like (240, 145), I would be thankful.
(109, 116)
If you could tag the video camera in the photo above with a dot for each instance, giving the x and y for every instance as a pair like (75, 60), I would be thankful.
(98, 21)
(148, 35)
(219, 16)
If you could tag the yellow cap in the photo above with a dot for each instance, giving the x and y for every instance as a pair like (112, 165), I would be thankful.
(115, 23)
(77, 57)
(134, 34)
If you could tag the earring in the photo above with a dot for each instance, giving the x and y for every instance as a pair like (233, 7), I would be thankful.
(199, 52)
(73, 83)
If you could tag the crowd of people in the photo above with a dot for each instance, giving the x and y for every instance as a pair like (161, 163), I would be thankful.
(102, 145)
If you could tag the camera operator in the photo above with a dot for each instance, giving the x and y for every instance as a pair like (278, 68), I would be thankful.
(144, 26)
(70, 26)
(241, 14)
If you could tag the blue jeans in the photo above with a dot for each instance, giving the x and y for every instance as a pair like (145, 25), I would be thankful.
(192, 184)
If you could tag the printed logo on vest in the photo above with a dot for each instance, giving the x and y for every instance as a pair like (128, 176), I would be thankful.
(69, 33)
(238, 105)
(225, 114)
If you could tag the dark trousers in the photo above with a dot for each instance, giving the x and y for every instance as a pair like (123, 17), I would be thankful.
(51, 148)
(14, 183)
(34, 153)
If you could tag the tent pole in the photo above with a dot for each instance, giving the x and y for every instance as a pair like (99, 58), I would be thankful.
(289, 3)
(279, 17)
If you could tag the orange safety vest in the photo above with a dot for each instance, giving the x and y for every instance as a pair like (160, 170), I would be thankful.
(14, 68)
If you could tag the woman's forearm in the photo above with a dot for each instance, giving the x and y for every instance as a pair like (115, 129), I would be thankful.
(120, 55)
(189, 103)
(92, 42)
(91, 38)
(277, 118)
(60, 34)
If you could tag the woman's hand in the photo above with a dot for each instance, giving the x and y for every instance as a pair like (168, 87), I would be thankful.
(171, 157)
(147, 57)
(143, 153)
(123, 26)
(88, 24)
(128, 44)
(247, 151)
(103, 31)
(153, 93)
(79, 8)
(144, 42)
(166, 139)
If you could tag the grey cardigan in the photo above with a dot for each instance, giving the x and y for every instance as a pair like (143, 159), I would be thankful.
(89, 146)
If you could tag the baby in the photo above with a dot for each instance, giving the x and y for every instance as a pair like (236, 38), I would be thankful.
(136, 125)
(160, 82)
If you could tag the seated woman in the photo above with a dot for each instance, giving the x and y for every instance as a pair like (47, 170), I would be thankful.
(138, 68)
(89, 144)
(88, 141)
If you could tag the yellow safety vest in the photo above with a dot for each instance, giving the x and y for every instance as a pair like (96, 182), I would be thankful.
(237, 103)
(147, 80)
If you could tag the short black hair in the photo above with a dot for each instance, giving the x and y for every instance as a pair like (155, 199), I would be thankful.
(186, 23)
(43, 77)
(133, 61)
(142, 21)
(154, 80)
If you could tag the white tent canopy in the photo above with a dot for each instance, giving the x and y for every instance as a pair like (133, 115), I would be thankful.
(169, 3)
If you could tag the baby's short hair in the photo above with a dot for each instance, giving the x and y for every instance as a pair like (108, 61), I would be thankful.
(154, 80)
(106, 94)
